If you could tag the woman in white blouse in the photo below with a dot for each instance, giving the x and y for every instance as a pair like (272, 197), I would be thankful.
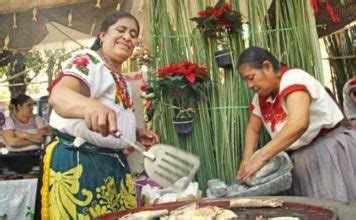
(23, 131)
(303, 120)
(92, 100)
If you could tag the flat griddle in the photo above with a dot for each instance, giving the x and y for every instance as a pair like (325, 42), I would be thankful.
(289, 209)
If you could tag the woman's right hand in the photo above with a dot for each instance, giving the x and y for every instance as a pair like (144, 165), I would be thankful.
(100, 118)
(243, 164)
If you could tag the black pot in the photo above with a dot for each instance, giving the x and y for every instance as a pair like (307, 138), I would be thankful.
(183, 125)
(223, 58)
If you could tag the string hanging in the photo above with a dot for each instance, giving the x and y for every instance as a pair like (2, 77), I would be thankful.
(118, 6)
(142, 3)
(34, 14)
(92, 27)
(14, 26)
(97, 5)
(6, 42)
(70, 18)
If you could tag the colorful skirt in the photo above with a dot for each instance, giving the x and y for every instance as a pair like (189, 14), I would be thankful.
(84, 182)
(327, 167)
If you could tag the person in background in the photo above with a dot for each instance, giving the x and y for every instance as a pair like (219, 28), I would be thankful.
(303, 120)
(23, 131)
(2, 122)
(349, 94)
(92, 100)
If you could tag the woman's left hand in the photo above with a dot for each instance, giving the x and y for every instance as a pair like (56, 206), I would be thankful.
(146, 137)
(254, 165)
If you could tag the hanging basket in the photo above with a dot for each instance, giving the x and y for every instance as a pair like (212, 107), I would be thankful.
(223, 58)
(183, 124)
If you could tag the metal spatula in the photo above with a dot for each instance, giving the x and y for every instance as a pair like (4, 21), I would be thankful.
(164, 164)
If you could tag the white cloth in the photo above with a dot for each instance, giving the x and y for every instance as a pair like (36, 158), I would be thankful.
(93, 72)
(17, 199)
(349, 105)
(324, 112)
(35, 123)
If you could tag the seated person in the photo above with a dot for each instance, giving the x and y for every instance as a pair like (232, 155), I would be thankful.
(23, 131)
(2, 122)
(2, 144)
(349, 94)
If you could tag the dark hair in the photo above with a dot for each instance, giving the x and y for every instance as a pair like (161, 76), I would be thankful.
(20, 100)
(110, 20)
(255, 56)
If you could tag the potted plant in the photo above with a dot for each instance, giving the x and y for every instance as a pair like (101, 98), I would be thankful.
(183, 122)
(219, 21)
(184, 83)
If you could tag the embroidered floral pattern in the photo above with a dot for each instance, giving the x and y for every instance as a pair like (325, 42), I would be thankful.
(82, 61)
(272, 112)
(63, 187)
(127, 197)
(122, 94)
(62, 190)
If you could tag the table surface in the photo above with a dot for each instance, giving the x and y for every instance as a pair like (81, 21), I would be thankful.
(17, 200)
(344, 210)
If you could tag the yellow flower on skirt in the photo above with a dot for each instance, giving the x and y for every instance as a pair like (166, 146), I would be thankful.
(63, 187)
(127, 193)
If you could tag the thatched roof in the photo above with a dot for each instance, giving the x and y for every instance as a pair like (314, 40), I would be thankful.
(29, 33)
(24, 5)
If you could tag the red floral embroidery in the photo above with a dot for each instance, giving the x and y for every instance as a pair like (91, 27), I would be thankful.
(81, 60)
(122, 94)
(273, 112)
(251, 107)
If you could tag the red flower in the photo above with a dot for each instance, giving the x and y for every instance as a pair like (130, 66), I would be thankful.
(81, 60)
(219, 18)
(203, 14)
(220, 11)
(143, 87)
(227, 6)
(188, 82)
(190, 77)
(213, 12)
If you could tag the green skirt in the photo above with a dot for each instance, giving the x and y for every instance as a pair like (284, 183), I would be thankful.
(84, 182)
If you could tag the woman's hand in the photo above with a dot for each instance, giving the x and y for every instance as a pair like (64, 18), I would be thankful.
(146, 137)
(100, 118)
(253, 165)
(242, 167)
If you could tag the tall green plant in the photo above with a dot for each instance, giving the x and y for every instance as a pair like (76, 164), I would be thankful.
(219, 126)
(293, 38)
(174, 41)
(341, 50)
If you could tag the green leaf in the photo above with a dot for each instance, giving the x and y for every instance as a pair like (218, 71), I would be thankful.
(83, 69)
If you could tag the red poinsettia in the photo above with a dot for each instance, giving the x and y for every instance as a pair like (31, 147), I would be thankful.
(184, 78)
(219, 18)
